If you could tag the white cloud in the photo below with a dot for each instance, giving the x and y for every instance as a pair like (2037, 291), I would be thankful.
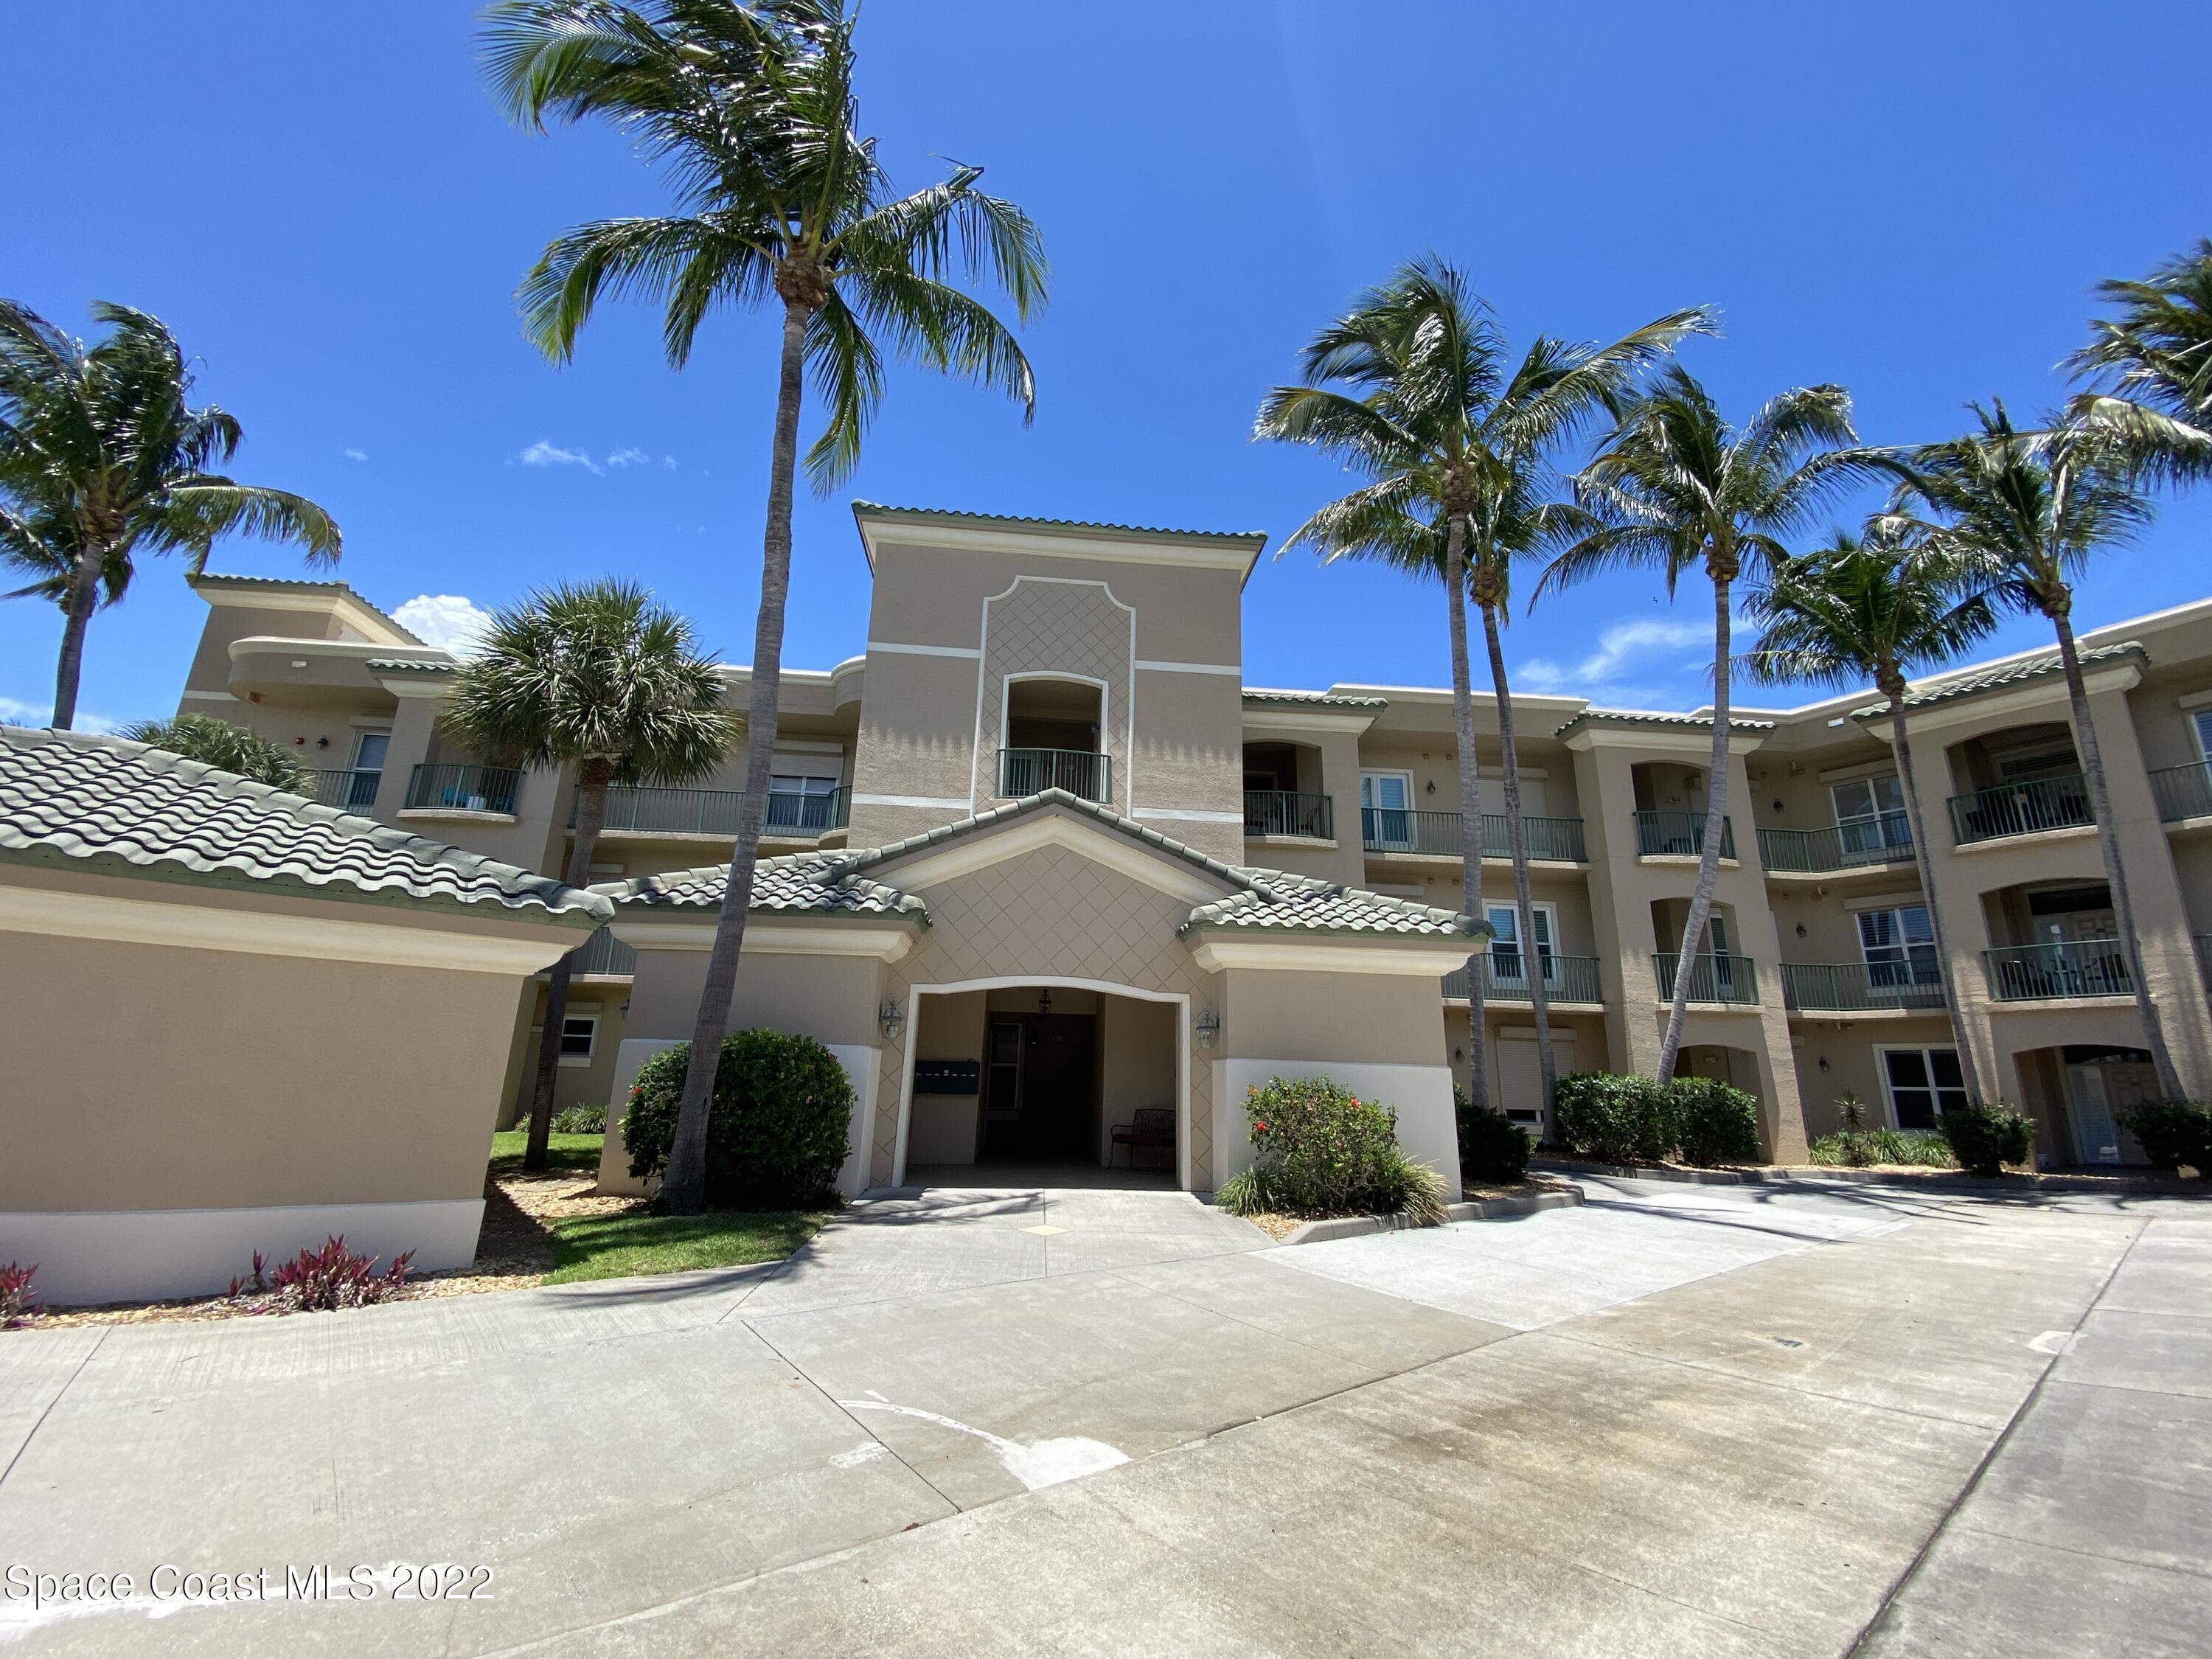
(668, 461)
(544, 453)
(1651, 660)
(444, 619)
(632, 456)
(356, 454)
(14, 711)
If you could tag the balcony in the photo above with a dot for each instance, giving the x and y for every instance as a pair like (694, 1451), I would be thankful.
(1024, 772)
(1397, 829)
(712, 814)
(2066, 968)
(1281, 813)
(350, 791)
(1858, 987)
(605, 955)
(1712, 978)
(1862, 842)
(2021, 809)
(2183, 792)
(463, 789)
(1566, 978)
(1679, 835)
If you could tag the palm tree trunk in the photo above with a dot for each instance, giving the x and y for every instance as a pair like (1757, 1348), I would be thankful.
(2108, 842)
(84, 595)
(1516, 833)
(591, 814)
(683, 1189)
(1470, 804)
(1709, 862)
(1892, 687)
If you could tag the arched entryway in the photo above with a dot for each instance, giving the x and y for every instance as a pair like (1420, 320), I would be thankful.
(1029, 1078)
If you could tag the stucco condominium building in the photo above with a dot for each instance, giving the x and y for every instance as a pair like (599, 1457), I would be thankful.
(1042, 859)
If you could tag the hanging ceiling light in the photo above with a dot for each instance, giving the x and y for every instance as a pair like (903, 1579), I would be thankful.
(1044, 1001)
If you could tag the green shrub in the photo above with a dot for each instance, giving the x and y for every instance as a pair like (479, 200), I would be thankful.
(1984, 1138)
(776, 1126)
(1493, 1148)
(1857, 1148)
(1715, 1123)
(1245, 1193)
(1321, 1150)
(1612, 1119)
(233, 748)
(2174, 1133)
(579, 1120)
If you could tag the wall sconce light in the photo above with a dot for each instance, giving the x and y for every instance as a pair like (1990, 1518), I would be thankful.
(1824, 1062)
(1777, 802)
(322, 743)
(1801, 930)
(1459, 1056)
(1430, 788)
(1209, 1027)
(892, 1019)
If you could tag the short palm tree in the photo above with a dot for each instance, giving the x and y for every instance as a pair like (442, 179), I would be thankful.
(233, 748)
(2151, 369)
(599, 678)
(1881, 607)
(752, 111)
(2029, 510)
(1415, 388)
(1677, 487)
(102, 457)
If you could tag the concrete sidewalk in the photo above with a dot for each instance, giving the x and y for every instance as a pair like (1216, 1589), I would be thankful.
(1117, 1421)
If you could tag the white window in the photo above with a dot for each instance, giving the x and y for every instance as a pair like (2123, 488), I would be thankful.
(579, 1033)
(796, 802)
(1898, 946)
(1922, 1083)
(1870, 816)
(1506, 961)
(369, 750)
(2203, 725)
(1386, 817)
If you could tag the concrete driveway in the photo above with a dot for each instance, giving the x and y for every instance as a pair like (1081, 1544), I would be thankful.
(1715, 1420)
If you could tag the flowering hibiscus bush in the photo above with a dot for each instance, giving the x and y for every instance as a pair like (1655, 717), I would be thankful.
(1321, 1150)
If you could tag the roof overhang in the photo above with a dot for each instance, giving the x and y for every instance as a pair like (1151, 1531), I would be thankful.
(2046, 692)
(1052, 825)
(332, 598)
(1050, 539)
(885, 938)
(1292, 951)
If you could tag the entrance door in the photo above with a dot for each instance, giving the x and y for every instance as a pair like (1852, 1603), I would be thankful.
(1052, 1115)
(1386, 819)
(2093, 1115)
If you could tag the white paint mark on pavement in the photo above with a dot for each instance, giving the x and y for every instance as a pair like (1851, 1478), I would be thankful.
(2054, 1343)
(866, 1452)
(1034, 1463)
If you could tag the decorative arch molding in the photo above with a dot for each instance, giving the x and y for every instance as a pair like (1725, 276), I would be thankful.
(1057, 628)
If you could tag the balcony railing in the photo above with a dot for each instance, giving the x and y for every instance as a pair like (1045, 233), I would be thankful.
(712, 814)
(2183, 792)
(2077, 968)
(1505, 979)
(2021, 809)
(604, 954)
(1844, 987)
(1398, 829)
(1281, 813)
(350, 791)
(1712, 978)
(1884, 840)
(1679, 835)
(463, 788)
(1031, 771)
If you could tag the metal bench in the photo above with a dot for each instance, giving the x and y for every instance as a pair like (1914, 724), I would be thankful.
(1148, 1125)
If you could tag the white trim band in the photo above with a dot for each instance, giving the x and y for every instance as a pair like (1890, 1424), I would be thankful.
(1237, 669)
(970, 651)
(1176, 813)
(933, 801)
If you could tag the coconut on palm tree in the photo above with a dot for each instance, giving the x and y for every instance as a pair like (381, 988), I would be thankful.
(598, 677)
(2028, 510)
(2150, 366)
(1414, 387)
(102, 457)
(1883, 607)
(1677, 487)
(751, 113)
(233, 748)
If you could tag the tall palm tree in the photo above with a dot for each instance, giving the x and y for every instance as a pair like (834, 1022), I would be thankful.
(1677, 486)
(2031, 509)
(598, 677)
(1415, 388)
(751, 112)
(2151, 369)
(1882, 607)
(102, 457)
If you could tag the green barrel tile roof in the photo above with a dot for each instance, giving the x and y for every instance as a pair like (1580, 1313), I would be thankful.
(947, 516)
(1316, 699)
(71, 800)
(1637, 717)
(1978, 680)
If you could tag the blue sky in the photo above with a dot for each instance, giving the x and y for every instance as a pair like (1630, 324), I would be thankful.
(1912, 199)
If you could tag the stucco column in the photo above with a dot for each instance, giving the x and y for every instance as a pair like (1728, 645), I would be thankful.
(413, 729)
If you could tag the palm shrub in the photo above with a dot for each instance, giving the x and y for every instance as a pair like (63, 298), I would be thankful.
(1856, 1147)
(1614, 1119)
(1319, 1149)
(596, 675)
(1984, 1138)
(218, 743)
(778, 1130)
(1715, 1123)
(1492, 1146)
(2174, 1133)
(752, 111)
(2150, 366)
(103, 457)
(581, 1120)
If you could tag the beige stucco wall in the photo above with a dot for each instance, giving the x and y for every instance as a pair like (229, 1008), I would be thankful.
(1137, 1043)
(946, 1128)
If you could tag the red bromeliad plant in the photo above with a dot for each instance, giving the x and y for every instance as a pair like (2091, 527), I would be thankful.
(16, 1297)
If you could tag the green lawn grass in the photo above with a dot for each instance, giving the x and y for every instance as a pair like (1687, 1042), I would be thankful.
(561, 1151)
(616, 1246)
